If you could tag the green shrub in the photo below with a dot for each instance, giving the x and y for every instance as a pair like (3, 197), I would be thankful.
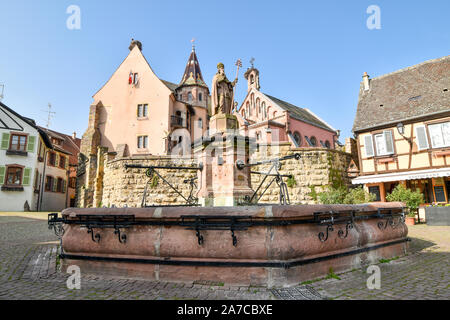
(291, 182)
(343, 195)
(412, 199)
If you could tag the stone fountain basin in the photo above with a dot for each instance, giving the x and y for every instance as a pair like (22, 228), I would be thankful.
(271, 253)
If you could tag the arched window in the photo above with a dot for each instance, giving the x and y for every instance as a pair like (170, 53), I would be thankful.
(252, 79)
(264, 109)
(189, 96)
(258, 106)
(274, 114)
(313, 141)
(327, 144)
(298, 138)
(249, 110)
(200, 96)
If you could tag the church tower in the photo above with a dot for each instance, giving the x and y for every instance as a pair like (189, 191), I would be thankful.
(192, 89)
(252, 76)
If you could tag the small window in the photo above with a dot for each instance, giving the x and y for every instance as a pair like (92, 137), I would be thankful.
(200, 96)
(384, 143)
(142, 142)
(62, 162)
(189, 96)
(48, 183)
(135, 79)
(14, 176)
(73, 182)
(264, 109)
(52, 159)
(142, 110)
(375, 191)
(297, 139)
(327, 144)
(274, 114)
(18, 142)
(440, 134)
(200, 123)
(313, 141)
(59, 185)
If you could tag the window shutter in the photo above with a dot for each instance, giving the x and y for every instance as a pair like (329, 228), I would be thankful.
(389, 142)
(421, 136)
(55, 184)
(368, 145)
(64, 186)
(31, 143)
(5, 141)
(57, 160)
(26, 177)
(2, 174)
(67, 163)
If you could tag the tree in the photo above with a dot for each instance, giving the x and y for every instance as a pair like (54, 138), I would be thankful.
(412, 199)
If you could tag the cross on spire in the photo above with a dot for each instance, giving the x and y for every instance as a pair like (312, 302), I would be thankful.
(193, 44)
(252, 60)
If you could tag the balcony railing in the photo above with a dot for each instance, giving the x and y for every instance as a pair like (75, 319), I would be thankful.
(177, 121)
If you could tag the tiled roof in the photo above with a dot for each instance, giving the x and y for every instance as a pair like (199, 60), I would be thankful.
(192, 73)
(170, 85)
(300, 114)
(409, 93)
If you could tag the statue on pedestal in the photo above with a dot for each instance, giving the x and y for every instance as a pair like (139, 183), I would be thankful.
(222, 95)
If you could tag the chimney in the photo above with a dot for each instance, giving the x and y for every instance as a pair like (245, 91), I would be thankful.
(74, 135)
(366, 82)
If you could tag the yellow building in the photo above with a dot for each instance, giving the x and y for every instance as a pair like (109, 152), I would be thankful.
(402, 128)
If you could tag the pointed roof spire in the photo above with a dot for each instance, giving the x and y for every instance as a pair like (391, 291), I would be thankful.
(192, 73)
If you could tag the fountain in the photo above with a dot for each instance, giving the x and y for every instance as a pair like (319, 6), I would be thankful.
(230, 238)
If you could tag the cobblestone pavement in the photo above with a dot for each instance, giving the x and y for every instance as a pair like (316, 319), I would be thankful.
(28, 270)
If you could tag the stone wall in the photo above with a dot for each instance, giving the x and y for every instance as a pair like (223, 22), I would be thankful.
(123, 186)
(316, 170)
(118, 186)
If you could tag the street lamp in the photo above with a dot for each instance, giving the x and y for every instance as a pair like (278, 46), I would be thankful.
(401, 128)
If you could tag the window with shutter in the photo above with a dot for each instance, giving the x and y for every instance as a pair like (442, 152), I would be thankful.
(2, 174)
(55, 185)
(422, 139)
(5, 141)
(31, 143)
(368, 146)
(26, 177)
(389, 142)
(57, 160)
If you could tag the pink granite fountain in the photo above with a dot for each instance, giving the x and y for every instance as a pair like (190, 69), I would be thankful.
(270, 245)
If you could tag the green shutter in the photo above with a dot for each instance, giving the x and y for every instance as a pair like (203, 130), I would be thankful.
(57, 160)
(67, 163)
(31, 143)
(5, 141)
(26, 177)
(64, 186)
(55, 182)
(2, 174)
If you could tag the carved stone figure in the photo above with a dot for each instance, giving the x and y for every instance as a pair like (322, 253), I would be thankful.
(222, 92)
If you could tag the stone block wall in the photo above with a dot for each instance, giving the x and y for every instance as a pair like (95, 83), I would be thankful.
(316, 170)
(118, 186)
(123, 186)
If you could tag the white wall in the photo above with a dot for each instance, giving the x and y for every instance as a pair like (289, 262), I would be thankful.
(15, 200)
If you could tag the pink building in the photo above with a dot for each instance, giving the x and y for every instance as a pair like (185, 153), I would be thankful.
(136, 113)
(269, 119)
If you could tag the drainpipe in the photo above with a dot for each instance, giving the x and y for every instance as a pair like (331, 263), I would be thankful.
(43, 181)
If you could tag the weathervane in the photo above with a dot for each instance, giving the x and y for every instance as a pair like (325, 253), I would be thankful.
(193, 44)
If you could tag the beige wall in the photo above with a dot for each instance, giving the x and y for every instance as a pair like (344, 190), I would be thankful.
(118, 120)
(404, 158)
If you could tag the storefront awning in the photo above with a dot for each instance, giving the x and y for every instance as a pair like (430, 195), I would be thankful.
(400, 176)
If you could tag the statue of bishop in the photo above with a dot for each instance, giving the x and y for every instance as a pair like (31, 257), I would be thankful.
(222, 92)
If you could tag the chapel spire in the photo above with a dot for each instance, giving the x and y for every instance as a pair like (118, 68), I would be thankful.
(192, 73)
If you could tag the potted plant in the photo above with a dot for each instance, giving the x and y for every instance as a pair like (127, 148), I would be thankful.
(412, 199)
(410, 218)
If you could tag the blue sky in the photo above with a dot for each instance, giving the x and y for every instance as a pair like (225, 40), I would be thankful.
(309, 53)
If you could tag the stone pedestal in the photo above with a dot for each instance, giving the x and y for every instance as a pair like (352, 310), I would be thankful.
(220, 182)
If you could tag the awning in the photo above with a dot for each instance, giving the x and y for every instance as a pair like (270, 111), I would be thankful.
(400, 176)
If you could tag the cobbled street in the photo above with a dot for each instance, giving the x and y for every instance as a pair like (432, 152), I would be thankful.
(29, 264)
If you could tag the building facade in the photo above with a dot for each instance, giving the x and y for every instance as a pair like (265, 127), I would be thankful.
(402, 128)
(269, 119)
(22, 151)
